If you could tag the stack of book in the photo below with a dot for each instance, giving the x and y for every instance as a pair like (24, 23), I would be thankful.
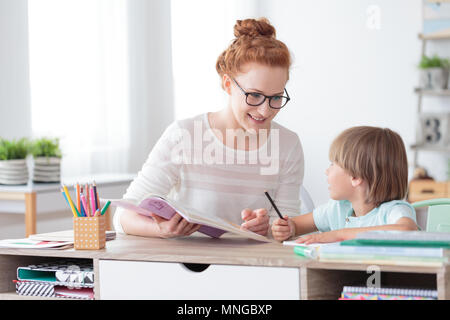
(391, 248)
(364, 293)
(63, 278)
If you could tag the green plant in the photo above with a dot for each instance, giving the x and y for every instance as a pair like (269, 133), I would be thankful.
(434, 62)
(14, 149)
(46, 147)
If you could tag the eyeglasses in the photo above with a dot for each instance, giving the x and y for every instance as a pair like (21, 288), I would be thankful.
(256, 99)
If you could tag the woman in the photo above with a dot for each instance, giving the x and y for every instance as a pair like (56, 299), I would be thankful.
(233, 168)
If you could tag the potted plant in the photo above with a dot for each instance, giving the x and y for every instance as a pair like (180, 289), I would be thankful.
(47, 160)
(13, 164)
(434, 72)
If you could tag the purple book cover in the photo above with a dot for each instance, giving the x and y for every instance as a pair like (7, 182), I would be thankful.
(163, 209)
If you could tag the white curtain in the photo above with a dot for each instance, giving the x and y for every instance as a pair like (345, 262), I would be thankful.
(201, 31)
(79, 81)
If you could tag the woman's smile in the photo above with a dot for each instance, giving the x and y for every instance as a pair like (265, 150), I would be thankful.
(256, 119)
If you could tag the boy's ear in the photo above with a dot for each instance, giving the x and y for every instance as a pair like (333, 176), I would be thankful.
(356, 182)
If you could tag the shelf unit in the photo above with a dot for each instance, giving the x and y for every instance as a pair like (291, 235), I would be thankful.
(314, 279)
(429, 92)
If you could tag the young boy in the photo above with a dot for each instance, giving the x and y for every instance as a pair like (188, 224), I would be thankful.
(368, 178)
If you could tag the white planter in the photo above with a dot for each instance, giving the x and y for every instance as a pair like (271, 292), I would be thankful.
(46, 169)
(13, 172)
(434, 78)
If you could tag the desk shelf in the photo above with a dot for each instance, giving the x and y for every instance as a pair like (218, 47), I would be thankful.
(317, 280)
(14, 296)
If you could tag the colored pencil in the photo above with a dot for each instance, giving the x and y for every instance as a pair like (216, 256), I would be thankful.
(106, 207)
(74, 209)
(97, 203)
(93, 204)
(65, 197)
(84, 205)
(77, 190)
(88, 198)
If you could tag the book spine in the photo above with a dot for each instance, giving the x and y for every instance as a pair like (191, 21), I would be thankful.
(345, 256)
(25, 288)
(365, 296)
(384, 262)
(391, 291)
(389, 251)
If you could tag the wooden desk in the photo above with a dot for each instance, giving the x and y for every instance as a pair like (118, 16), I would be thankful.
(156, 263)
(29, 193)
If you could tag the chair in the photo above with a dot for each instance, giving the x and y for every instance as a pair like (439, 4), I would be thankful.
(438, 219)
(307, 204)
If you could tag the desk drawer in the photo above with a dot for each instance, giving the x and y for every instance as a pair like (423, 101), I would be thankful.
(162, 280)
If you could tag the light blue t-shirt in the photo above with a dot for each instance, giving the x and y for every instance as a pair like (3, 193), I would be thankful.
(337, 214)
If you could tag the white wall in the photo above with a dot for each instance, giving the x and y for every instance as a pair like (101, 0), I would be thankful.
(15, 119)
(345, 73)
(151, 86)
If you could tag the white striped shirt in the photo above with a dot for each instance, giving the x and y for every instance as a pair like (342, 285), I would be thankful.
(218, 180)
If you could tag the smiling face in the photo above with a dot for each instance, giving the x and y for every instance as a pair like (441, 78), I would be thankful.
(255, 78)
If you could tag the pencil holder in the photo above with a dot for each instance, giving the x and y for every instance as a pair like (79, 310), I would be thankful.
(89, 232)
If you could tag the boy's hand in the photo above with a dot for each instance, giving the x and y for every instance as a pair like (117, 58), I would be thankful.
(283, 229)
(256, 221)
(323, 237)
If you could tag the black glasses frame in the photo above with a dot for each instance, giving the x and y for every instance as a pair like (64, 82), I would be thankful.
(265, 97)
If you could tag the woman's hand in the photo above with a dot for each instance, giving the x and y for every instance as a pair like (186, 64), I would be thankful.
(323, 237)
(283, 229)
(177, 226)
(256, 221)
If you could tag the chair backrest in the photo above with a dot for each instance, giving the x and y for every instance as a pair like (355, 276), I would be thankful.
(307, 204)
(438, 219)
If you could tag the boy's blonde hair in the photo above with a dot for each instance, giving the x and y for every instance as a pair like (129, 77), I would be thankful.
(377, 156)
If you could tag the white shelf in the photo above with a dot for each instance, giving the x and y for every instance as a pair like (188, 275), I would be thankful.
(442, 36)
(430, 148)
(432, 92)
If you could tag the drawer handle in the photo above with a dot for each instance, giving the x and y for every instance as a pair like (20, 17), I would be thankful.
(427, 191)
(196, 267)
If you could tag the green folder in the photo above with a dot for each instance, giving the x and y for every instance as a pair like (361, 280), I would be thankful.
(36, 275)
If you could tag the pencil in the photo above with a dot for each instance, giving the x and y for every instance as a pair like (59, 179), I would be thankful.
(273, 205)
(88, 198)
(74, 209)
(106, 207)
(65, 197)
(93, 204)
(84, 204)
(77, 190)
(97, 203)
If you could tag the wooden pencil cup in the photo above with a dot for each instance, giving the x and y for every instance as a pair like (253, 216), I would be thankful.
(89, 232)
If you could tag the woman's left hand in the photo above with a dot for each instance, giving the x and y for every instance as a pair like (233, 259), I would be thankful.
(322, 237)
(255, 220)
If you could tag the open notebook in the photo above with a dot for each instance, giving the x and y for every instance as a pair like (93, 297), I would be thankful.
(166, 208)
